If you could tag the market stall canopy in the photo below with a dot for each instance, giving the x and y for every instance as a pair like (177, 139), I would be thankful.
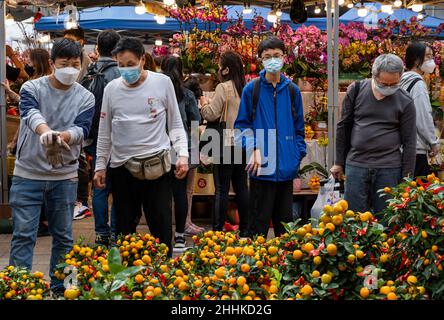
(398, 14)
(19, 30)
(124, 18)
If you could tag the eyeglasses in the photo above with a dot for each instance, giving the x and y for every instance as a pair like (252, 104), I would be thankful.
(384, 85)
(276, 56)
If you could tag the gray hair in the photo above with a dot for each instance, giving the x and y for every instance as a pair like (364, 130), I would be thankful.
(387, 63)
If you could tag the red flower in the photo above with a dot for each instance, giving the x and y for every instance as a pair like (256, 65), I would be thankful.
(438, 190)
(300, 281)
(362, 232)
(162, 279)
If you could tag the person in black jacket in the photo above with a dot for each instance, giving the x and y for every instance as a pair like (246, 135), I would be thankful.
(106, 42)
(189, 111)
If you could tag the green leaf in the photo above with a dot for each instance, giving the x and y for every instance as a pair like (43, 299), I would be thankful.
(131, 271)
(99, 291)
(114, 256)
(116, 268)
(117, 284)
(115, 261)
(314, 166)
(277, 274)
(349, 247)
(288, 288)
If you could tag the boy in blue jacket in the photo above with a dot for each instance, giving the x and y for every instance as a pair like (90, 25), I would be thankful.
(271, 125)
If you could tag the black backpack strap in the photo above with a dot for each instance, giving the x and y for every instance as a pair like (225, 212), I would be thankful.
(356, 94)
(292, 89)
(412, 84)
(349, 128)
(256, 93)
(107, 65)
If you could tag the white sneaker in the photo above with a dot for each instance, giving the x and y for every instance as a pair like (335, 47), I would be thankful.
(81, 211)
(179, 244)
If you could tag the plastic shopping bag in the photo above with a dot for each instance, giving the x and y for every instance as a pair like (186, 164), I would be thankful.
(328, 194)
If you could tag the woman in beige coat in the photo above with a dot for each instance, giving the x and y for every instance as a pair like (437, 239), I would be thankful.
(225, 106)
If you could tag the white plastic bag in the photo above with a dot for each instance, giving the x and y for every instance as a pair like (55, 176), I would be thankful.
(327, 195)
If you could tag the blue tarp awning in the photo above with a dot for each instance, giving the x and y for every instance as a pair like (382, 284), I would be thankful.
(398, 14)
(124, 18)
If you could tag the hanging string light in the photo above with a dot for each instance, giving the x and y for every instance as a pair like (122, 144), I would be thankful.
(420, 16)
(317, 9)
(279, 13)
(417, 7)
(160, 19)
(140, 8)
(350, 5)
(9, 19)
(397, 3)
(272, 17)
(169, 2)
(362, 11)
(247, 9)
(387, 8)
(71, 20)
(341, 2)
(158, 42)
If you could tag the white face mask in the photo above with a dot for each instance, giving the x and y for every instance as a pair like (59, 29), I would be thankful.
(428, 66)
(67, 75)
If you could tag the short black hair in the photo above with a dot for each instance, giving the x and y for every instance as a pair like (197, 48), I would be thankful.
(66, 49)
(78, 33)
(106, 42)
(270, 43)
(130, 44)
(415, 55)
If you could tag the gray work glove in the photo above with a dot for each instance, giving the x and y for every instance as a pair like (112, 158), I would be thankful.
(53, 148)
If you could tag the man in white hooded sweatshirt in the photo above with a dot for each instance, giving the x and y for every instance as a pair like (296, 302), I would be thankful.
(419, 60)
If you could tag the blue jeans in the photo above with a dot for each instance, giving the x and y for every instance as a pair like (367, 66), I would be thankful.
(362, 185)
(27, 198)
(100, 204)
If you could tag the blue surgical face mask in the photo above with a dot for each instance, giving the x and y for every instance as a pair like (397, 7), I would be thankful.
(273, 65)
(385, 90)
(130, 74)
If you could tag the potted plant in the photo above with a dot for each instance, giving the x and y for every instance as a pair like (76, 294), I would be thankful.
(317, 116)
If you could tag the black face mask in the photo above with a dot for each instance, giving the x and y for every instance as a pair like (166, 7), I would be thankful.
(29, 70)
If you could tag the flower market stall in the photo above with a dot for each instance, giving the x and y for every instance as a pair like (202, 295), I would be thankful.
(340, 255)
(311, 62)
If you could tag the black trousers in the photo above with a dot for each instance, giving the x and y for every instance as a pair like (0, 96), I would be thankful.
(155, 196)
(224, 174)
(270, 201)
(83, 185)
(180, 202)
(422, 167)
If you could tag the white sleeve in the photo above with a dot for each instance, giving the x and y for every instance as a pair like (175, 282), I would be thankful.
(424, 117)
(176, 130)
(104, 143)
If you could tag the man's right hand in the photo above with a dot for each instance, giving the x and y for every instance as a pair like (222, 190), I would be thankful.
(337, 172)
(50, 137)
(9, 51)
(254, 165)
(99, 179)
(436, 149)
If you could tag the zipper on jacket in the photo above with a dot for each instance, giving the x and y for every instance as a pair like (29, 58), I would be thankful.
(277, 142)
(21, 146)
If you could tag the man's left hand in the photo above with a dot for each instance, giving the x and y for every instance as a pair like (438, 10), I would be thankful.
(181, 167)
